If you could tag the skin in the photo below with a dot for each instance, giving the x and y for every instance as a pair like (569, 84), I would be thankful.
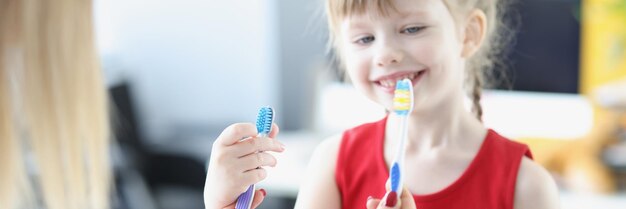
(236, 164)
(421, 37)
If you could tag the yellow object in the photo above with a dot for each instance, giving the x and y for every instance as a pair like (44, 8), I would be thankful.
(603, 44)
(578, 162)
(603, 60)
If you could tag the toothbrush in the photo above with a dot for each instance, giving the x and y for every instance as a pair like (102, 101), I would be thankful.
(402, 106)
(264, 127)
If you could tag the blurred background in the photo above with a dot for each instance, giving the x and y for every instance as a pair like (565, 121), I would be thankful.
(181, 71)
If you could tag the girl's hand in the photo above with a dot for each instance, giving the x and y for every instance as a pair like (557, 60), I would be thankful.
(259, 195)
(235, 164)
(390, 200)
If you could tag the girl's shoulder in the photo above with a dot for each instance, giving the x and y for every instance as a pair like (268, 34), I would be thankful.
(535, 188)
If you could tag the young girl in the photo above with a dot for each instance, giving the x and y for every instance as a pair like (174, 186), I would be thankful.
(452, 160)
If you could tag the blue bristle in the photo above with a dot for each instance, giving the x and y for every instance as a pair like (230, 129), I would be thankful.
(264, 120)
(395, 177)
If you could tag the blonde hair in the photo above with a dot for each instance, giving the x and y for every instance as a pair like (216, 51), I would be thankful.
(479, 66)
(53, 106)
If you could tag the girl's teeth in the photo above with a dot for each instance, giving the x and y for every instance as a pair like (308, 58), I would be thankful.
(392, 83)
(388, 83)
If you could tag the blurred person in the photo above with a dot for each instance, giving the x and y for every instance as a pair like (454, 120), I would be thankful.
(54, 128)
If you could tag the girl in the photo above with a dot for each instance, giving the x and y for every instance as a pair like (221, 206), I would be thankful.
(452, 160)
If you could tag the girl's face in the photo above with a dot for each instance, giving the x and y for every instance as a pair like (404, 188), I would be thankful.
(418, 40)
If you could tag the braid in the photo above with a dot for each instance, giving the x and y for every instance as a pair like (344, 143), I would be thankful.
(476, 94)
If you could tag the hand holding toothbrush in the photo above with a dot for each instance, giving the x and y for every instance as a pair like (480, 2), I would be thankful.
(405, 201)
(235, 164)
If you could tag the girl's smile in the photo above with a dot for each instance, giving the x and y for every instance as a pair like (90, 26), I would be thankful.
(387, 83)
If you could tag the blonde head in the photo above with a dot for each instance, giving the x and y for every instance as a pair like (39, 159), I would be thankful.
(52, 106)
(479, 67)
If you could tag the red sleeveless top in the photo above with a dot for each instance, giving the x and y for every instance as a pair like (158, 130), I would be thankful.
(487, 183)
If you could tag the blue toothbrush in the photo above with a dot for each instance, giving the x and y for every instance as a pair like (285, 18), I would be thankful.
(264, 127)
(402, 105)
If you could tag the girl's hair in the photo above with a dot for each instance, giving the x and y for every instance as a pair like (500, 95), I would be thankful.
(479, 66)
(52, 106)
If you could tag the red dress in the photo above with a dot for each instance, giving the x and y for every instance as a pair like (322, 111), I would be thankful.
(487, 183)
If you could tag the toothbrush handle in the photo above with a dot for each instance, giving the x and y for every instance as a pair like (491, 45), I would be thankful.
(244, 201)
(396, 171)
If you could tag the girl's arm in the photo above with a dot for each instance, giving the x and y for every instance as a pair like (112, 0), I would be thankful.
(535, 188)
(319, 189)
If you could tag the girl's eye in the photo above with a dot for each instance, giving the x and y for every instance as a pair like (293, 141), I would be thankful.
(365, 40)
(412, 30)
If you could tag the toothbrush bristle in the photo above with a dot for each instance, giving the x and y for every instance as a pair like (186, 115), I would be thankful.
(403, 97)
(264, 120)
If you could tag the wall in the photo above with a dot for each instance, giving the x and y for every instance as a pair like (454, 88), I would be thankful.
(194, 65)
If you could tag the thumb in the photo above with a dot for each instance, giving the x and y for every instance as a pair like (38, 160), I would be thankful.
(391, 200)
(406, 199)
(259, 196)
(274, 131)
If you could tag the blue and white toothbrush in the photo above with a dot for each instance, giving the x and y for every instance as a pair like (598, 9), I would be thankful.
(402, 106)
(264, 127)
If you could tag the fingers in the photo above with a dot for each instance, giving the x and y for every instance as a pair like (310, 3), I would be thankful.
(406, 199)
(253, 176)
(230, 140)
(235, 132)
(391, 200)
(372, 203)
(231, 206)
(253, 145)
(259, 195)
(255, 160)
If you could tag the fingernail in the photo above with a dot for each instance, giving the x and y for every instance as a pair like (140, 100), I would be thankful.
(392, 199)
(276, 142)
(281, 144)
(263, 192)
(369, 198)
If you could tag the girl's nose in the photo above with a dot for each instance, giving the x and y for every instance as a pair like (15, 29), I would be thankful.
(389, 55)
